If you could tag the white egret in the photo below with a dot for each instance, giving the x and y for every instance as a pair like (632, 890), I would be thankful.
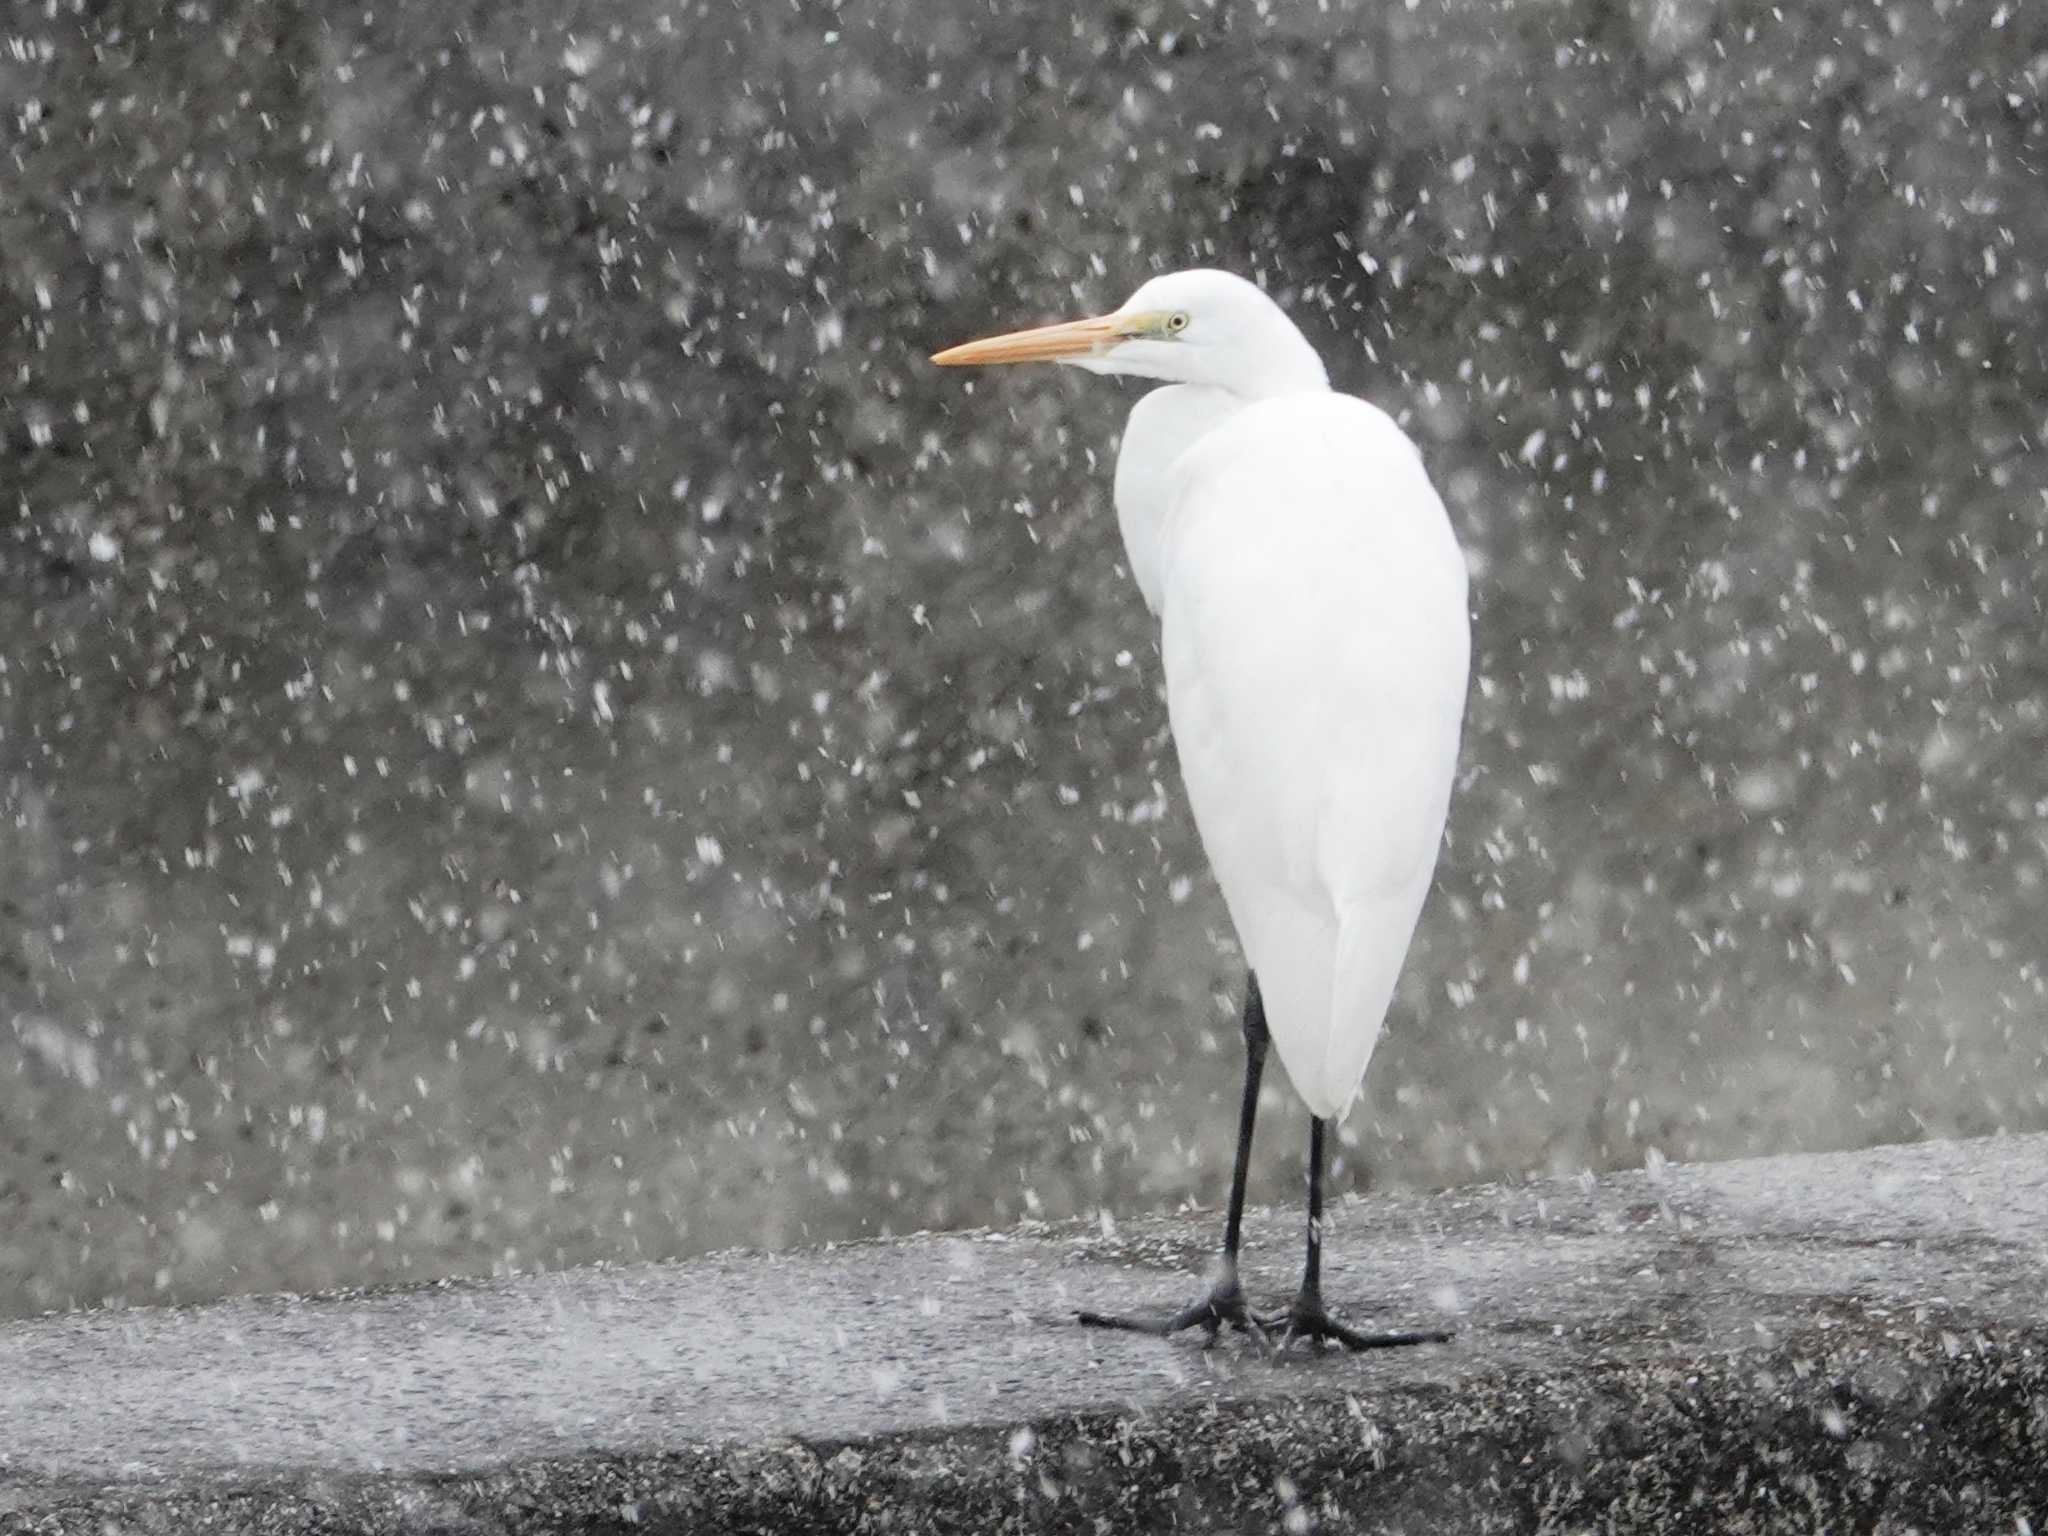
(1311, 598)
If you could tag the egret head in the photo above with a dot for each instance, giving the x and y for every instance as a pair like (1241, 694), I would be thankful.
(1196, 327)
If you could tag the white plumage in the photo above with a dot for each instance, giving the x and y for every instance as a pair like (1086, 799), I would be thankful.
(1313, 614)
(1312, 604)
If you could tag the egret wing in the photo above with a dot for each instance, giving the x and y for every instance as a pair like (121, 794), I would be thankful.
(1316, 643)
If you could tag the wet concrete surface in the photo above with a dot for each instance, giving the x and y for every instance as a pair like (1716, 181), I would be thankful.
(1764, 1344)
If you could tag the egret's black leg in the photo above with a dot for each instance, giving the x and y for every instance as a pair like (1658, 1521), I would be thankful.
(1224, 1302)
(1307, 1319)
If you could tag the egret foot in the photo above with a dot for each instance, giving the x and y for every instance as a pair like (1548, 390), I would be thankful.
(1225, 1303)
(1307, 1319)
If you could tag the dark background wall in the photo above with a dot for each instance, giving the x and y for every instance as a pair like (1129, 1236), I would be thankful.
(534, 727)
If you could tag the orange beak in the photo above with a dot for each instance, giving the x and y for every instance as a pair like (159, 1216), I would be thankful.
(1045, 344)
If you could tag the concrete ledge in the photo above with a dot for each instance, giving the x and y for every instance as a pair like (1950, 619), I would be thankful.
(1858, 1339)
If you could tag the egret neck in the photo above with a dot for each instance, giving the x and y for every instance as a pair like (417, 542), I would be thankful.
(1214, 386)
(1163, 426)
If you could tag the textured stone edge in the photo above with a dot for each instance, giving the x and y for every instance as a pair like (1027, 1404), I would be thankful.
(1868, 1424)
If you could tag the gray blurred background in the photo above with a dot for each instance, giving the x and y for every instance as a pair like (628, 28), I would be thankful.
(535, 728)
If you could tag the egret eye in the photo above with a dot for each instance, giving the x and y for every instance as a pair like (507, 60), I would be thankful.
(1177, 322)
